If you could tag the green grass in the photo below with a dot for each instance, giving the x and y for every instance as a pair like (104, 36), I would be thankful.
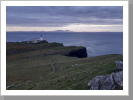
(34, 69)
(71, 73)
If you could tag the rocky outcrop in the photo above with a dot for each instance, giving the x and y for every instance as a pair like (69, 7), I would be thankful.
(119, 65)
(110, 82)
(81, 53)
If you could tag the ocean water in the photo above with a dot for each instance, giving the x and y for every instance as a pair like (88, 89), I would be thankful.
(97, 43)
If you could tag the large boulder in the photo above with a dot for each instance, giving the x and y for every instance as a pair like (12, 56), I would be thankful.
(109, 82)
(118, 78)
(119, 65)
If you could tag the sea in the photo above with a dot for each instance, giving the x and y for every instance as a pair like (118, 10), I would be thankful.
(96, 43)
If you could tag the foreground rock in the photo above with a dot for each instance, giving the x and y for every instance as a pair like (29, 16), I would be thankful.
(113, 81)
(119, 65)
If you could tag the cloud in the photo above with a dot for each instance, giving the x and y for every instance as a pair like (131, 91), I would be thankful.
(60, 16)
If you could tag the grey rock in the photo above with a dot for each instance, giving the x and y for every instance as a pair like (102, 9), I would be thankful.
(95, 83)
(118, 78)
(109, 82)
(119, 65)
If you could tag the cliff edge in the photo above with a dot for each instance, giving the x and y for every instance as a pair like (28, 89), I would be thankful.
(20, 50)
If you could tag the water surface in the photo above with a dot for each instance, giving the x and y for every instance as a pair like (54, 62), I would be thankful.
(97, 43)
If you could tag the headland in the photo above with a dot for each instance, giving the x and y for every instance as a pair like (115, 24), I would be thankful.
(53, 66)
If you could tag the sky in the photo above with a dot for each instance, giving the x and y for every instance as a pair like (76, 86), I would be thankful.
(65, 18)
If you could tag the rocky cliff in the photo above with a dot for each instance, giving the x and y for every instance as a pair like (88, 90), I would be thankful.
(81, 53)
(45, 49)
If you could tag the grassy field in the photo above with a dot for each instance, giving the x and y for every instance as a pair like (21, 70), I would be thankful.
(71, 73)
(44, 67)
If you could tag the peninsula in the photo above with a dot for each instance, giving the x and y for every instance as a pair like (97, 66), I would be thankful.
(53, 66)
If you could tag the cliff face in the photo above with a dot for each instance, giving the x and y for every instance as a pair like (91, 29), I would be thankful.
(45, 49)
(81, 53)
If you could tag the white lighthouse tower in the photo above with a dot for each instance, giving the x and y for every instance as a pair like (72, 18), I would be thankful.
(41, 38)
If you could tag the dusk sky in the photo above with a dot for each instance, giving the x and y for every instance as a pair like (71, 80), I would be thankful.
(65, 18)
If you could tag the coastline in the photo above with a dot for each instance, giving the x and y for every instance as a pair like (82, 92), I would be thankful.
(54, 70)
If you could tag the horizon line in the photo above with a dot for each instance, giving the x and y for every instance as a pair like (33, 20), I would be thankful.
(58, 31)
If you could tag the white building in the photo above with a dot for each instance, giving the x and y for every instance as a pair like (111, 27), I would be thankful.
(36, 40)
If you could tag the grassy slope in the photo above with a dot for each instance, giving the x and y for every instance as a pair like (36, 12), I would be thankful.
(70, 72)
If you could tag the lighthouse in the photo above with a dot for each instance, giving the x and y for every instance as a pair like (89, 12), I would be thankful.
(38, 40)
(41, 38)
